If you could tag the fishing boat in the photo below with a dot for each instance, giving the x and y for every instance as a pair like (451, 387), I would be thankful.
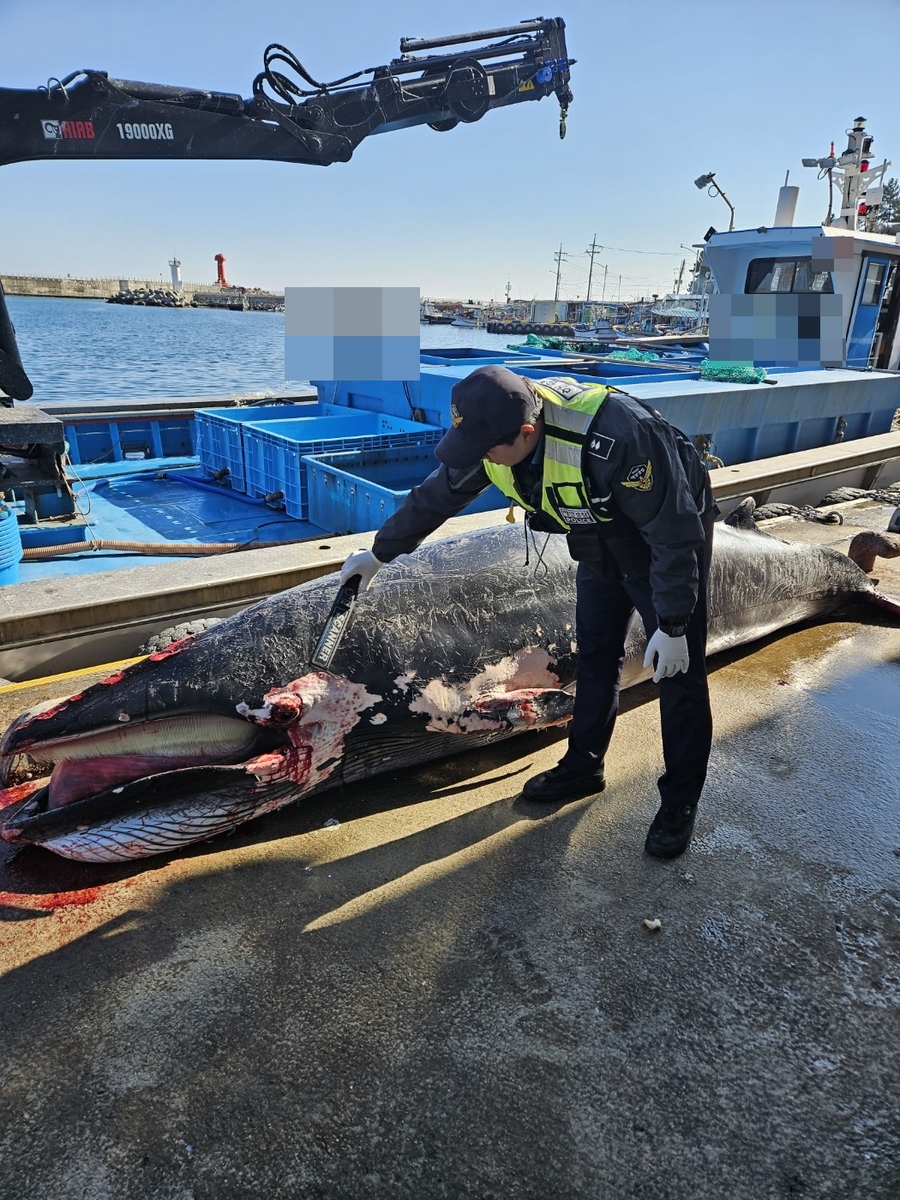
(600, 329)
(430, 315)
(468, 318)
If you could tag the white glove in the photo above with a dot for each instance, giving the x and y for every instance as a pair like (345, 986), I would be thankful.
(671, 655)
(364, 564)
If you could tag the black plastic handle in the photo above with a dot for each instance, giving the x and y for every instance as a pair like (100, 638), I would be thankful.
(336, 624)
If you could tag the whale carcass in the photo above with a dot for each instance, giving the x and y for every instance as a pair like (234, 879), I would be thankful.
(453, 647)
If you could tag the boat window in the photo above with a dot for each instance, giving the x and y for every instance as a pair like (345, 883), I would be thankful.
(786, 275)
(871, 293)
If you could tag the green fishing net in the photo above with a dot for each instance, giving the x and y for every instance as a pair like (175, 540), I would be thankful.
(725, 372)
(632, 354)
(535, 342)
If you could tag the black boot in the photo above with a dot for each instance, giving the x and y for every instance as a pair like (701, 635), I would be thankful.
(671, 830)
(562, 783)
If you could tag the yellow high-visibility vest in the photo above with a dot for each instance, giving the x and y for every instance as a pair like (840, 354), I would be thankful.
(569, 411)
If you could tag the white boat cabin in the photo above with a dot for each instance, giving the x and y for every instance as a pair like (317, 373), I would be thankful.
(839, 281)
(789, 260)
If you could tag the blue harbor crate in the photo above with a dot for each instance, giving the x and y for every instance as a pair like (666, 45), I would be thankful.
(274, 451)
(219, 433)
(353, 491)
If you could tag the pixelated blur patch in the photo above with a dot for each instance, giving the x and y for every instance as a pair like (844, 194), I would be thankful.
(351, 333)
(780, 327)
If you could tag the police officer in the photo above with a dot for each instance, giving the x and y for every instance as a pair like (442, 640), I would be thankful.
(633, 498)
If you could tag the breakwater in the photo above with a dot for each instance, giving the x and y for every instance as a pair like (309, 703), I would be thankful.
(81, 289)
(236, 299)
(152, 293)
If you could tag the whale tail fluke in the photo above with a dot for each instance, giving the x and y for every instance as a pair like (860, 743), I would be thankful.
(890, 604)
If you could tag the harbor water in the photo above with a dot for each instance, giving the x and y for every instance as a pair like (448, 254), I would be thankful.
(90, 350)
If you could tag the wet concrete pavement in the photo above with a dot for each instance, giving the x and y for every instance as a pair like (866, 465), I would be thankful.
(451, 994)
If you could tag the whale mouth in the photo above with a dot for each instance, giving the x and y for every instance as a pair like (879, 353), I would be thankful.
(128, 788)
(122, 769)
(89, 763)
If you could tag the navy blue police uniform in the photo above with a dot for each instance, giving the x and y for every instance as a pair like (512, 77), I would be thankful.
(650, 551)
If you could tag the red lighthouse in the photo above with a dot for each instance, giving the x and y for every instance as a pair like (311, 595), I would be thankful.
(220, 277)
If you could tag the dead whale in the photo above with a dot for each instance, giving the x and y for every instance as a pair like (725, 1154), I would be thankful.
(453, 647)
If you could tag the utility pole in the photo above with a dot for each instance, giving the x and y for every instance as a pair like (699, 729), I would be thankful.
(559, 255)
(680, 277)
(603, 293)
(592, 249)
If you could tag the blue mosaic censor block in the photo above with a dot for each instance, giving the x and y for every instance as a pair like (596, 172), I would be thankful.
(351, 333)
(781, 329)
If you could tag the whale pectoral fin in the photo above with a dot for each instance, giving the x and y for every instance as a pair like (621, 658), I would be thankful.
(742, 516)
(529, 708)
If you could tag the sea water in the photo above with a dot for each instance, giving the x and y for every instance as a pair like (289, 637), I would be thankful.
(87, 350)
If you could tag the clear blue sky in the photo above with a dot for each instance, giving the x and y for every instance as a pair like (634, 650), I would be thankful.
(663, 92)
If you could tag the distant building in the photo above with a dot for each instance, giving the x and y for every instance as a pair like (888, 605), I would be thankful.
(545, 312)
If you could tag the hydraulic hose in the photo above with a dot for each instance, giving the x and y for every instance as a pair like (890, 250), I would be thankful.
(160, 549)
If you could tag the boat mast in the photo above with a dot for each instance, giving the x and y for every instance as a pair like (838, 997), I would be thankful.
(858, 182)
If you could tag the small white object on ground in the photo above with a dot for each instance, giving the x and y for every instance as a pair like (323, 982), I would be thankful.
(653, 925)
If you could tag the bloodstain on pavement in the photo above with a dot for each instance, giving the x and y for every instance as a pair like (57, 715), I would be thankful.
(68, 899)
(47, 895)
(32, 880)
(54, 900)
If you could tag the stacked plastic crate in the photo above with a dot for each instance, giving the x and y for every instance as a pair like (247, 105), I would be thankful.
(274, 451)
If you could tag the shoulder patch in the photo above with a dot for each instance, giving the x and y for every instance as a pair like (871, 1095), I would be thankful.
(600, 446)
(640, 477)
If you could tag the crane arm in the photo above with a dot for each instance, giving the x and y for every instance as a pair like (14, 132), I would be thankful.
(90, 115)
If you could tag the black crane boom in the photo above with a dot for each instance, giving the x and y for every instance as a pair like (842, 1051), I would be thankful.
(90, 114)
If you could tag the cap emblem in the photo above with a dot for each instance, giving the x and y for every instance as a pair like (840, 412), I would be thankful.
(455, 415)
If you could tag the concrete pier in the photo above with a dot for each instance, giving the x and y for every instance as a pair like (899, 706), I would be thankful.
(203, 295)
(82, 289)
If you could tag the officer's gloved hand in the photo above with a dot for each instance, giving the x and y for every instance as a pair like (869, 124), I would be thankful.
(364, 564)
(671, 655)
